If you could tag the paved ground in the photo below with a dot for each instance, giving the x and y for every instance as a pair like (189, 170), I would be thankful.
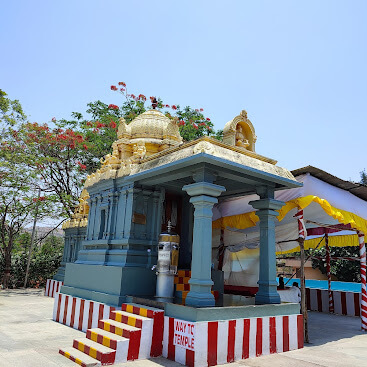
(29, 338)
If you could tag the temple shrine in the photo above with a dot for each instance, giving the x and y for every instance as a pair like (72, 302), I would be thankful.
(154, 186)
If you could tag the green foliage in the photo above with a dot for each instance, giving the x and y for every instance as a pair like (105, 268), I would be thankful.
(45, 260)
(11, 111)
(344, 270)
(100, 131)
(363, 177)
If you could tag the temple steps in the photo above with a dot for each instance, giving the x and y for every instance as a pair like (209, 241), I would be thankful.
(135, 332)
(95, 350)
(79, 357)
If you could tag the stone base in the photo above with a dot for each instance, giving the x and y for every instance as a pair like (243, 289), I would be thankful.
(60, 275)
(108, 284)
(267, 298)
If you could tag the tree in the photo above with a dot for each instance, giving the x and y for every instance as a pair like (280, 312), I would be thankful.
(11, 111)
(100, 131)
(363, 177)
(344, 270)
(19, 184)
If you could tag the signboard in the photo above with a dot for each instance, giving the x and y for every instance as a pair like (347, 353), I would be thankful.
(184, 334)
(139, 218)
(164, 255)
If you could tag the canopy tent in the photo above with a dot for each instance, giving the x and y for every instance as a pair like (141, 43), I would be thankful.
(235, 224)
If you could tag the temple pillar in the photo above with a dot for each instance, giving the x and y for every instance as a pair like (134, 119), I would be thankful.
(267, 206)
(203, 197)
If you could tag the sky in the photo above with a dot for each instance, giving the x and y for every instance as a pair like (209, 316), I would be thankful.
(297, 67)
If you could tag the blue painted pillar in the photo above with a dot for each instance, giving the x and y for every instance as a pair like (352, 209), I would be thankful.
(203, 197)
(267, 277)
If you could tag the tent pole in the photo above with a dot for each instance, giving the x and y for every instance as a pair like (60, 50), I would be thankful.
(301, 239)
(303, 291)
(362, 254)
(328, 273)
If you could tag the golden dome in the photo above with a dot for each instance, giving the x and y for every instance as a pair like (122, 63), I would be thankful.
(148, 134)
(151, 125)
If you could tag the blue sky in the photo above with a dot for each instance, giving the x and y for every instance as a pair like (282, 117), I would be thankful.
(297, 67)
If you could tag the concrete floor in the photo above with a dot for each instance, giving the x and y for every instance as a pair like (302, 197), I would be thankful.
(29, 337)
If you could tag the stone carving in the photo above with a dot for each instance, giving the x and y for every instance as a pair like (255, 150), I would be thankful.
(80, 216)
(240, 132)
(204, 147)
(125, 168)
(240, 138)
(139, 151)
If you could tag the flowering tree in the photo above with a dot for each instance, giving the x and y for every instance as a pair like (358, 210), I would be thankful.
(19, 184)
(100, 131)
(192, 122)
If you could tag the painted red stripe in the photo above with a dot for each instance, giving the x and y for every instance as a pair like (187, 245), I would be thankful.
(113, 344)
(246, 339)
(136, 310)
(171, 347)
(231, 340)
(157, 337)
(272, 335)
(151, 313)
(65, 309)
(319, 300)
(90, 316)
(81, 314)
(58, 286)
(356, 305)
(259, 336)
(343, 297)
(212, 343)
(86, 350)
(73, 312)
(190, 358)
(100, 338)
(58, 309)
(308, 298)
(134, 345)
(300, 331)
(53, 286)
(100, 311)
(285, 333)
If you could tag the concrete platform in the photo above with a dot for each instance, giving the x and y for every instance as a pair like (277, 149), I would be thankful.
(29, 338)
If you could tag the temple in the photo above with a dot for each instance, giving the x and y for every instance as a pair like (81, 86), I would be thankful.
(151, 178)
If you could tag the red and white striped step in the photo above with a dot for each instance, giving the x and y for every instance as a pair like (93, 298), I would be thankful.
(127, 335)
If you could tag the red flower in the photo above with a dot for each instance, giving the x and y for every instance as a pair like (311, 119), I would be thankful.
(122, 89)
(113, 87)
(99, 125)
(123, 84)
(82, 166)
(181, 123)
(174, 107)
(113, 107)
(201, 109)
(195, 126)
(85, 147)
(41, 198)
(142, 97)
(132, 96)
(113, 124)
(207, 119)
(167, 105)
(53, 119)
